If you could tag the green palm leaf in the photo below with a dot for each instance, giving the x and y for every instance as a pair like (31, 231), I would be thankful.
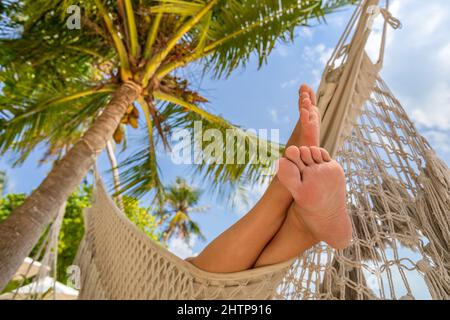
(55, 81)
(242, 28)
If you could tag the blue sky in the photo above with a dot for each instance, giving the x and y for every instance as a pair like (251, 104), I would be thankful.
(417, 69)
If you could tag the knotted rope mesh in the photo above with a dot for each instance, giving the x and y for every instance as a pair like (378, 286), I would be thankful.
(118, 261)
(398, 191)
(399, 201)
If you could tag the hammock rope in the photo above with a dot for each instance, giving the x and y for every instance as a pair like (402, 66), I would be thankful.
(398, 198)
(118, 261)
(398, 190)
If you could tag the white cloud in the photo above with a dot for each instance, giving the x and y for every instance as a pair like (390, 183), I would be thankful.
(424, 25)
(282, 50)
(317, 57)
(278, 116)
(426, 20)
(439, 140)
(317, 77)
(444, 57)
(336, 21)
(274, 115)
(181, 248)
(435, 111)
(318, 53)
(417, 60)
(290, 83)
(306, 33)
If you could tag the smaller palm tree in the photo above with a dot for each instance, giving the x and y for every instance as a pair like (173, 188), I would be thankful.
(181, 200)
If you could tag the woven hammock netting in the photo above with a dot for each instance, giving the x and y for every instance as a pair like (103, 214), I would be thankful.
(398, 198)
(399, 202)
(398, 190)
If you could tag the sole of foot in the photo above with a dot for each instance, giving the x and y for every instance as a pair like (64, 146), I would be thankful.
(317, 184)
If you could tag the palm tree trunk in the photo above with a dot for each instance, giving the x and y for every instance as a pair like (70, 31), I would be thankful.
(20, 232)
(115, 173)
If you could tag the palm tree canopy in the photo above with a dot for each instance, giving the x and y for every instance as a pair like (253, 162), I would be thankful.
(56, 80)
(181, 197)
(181, 200)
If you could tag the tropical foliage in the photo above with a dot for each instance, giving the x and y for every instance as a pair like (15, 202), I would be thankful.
(57, 80)
(72, 229)
(180, 201)
(142, 217)
(66, 87)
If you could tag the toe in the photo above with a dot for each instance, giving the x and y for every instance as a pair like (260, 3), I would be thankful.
(325, 155)
(312, 95)
(293, 154)
(303, 99)
(306, 103)
(303, 93)
(304, 88)
(313, 117)
(304, 116)
(305, 154)
(316, 154)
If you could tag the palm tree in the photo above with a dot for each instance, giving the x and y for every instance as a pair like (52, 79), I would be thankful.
(180, 201)
(115, 174)
(121, 63)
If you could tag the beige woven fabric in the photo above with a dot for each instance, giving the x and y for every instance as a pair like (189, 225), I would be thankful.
(398, 199)
(398, 190)
(118, 261)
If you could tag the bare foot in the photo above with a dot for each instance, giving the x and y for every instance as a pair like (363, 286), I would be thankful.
(317, 184)
(309, 117)
(307, 129)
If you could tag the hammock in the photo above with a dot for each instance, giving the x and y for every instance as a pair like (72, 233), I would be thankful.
(118, 261)
(398, 190)
(398, 198)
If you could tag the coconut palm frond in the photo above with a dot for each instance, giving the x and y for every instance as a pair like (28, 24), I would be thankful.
(255, 26)
(56, 80)
(54, 121)
(239, 158)
(181, 200)
(140, 173)
(242, 28)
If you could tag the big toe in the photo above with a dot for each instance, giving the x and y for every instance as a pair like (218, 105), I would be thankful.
(304, 88)
(293, 154)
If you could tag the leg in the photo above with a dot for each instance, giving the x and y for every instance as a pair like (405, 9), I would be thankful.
(238, 248)
(318, 213)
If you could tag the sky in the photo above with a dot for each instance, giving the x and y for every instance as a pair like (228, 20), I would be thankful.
(416, 68)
